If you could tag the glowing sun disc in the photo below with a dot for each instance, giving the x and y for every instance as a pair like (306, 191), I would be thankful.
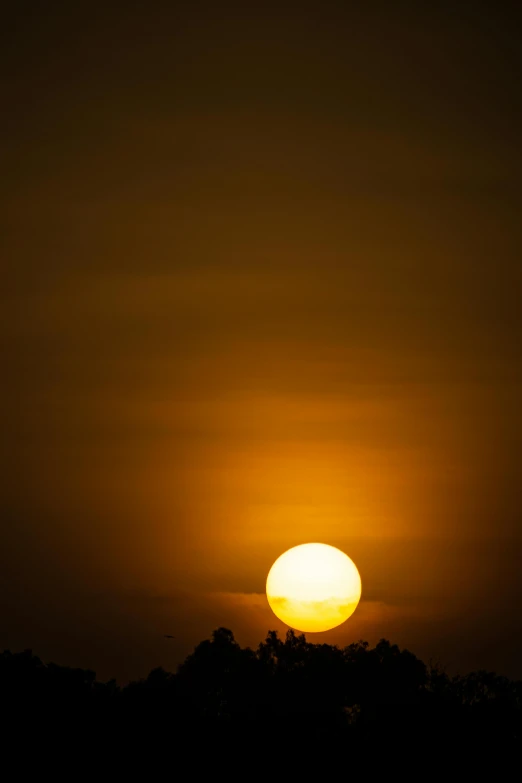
(313, 587)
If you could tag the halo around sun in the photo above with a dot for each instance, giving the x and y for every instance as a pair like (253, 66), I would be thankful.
(313, 587)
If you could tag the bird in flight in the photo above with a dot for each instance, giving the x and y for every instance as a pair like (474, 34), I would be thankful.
(168, 636)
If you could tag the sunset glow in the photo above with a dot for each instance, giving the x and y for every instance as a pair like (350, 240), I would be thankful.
(313, 587)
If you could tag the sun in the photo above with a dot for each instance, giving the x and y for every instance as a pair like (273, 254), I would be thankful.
(313, 587)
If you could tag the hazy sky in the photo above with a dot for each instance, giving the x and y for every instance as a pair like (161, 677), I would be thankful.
(261, 286)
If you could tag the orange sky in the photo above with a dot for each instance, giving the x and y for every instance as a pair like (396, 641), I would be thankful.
(262, 286)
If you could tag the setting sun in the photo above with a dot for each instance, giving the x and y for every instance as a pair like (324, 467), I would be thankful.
(313, 587)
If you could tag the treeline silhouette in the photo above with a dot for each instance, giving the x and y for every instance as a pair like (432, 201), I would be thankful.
(287, 699)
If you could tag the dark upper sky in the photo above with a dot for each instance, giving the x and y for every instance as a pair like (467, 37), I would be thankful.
(261, 285)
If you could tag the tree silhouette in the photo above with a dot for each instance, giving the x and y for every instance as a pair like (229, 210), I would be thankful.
(369, 702)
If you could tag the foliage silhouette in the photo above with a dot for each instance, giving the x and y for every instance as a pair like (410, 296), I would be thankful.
(286, 698)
